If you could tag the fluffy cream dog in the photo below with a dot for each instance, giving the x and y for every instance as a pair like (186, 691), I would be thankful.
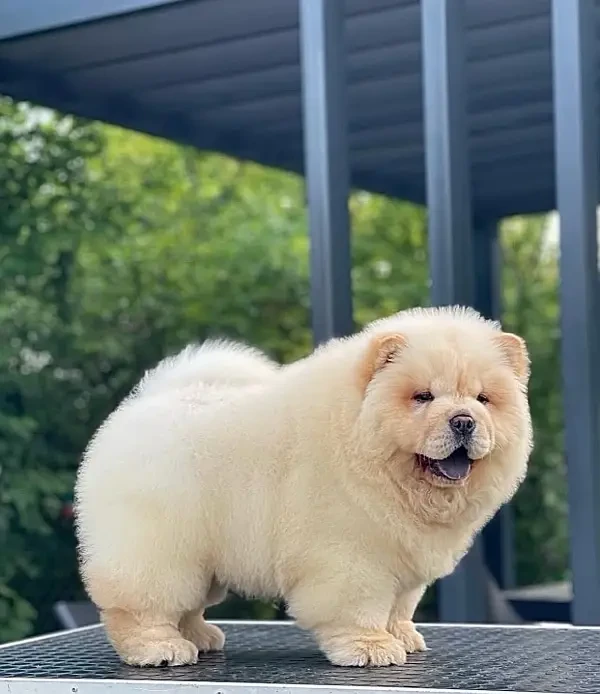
(344, 483)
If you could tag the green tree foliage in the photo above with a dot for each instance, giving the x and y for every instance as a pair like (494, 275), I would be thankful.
(116, 249)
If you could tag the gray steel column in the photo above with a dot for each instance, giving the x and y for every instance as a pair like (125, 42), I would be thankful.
(487, 269)
(447, 160)
(576, 125)
(326, 164)
(461, 596)
(498, 535)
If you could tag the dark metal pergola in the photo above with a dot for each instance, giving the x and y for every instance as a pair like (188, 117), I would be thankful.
(480, 108)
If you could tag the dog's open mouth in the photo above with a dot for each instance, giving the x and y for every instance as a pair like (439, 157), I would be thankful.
(455, 468)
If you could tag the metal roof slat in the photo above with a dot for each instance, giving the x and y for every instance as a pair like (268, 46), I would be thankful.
(394, 56)
(259, 57)
(24, 17)
(200, 23)
(159, 30)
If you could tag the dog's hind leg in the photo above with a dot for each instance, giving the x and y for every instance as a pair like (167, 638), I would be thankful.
(143, 612)
(144, 638)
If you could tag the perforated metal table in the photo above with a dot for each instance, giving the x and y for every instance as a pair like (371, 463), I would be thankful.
(278, 657)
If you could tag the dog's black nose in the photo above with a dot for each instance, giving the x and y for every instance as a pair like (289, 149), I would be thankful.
(462, 424)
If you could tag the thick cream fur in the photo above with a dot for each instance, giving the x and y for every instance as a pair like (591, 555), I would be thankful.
(223, 470)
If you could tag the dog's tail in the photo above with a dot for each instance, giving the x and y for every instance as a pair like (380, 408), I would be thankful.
(211, 363)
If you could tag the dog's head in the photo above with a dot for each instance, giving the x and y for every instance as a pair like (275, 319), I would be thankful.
(445, 396)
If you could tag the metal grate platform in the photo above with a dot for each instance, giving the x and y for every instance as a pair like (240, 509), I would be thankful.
(279, 656)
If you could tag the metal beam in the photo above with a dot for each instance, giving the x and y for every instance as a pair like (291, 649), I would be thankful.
(487, 269)
(446, 157)
(461, 596)
(576, 124)
(21, 17)
(498, 547)
(326, 165)
(498, 534)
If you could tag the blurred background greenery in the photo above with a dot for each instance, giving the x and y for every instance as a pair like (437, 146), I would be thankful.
(116, 249)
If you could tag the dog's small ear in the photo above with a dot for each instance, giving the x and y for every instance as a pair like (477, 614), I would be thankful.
(381, 350)
(515, 350)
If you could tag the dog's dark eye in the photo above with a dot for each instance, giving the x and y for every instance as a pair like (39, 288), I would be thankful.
(425, 396)
(483, 398)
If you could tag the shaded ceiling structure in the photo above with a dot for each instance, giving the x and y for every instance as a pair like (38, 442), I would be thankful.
(226, 75)
(480, 109)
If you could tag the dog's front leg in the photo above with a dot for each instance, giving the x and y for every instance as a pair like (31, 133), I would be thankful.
(348, 616)
(400, 623)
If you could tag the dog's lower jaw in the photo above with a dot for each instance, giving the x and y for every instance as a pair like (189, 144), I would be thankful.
(359, 647)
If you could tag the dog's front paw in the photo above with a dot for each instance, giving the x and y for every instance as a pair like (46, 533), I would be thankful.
(145, 652)
(362, 648)
(407, 634)
(207, 637)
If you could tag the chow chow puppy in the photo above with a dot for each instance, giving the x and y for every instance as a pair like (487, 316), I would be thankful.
(344, 483)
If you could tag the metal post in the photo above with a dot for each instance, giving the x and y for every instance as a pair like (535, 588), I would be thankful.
(487, 269)
(326, 164)
(447, 161)
(498, 535)
(576, 125)
(461, 596)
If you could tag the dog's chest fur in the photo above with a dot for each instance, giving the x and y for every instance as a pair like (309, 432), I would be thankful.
(431, 555)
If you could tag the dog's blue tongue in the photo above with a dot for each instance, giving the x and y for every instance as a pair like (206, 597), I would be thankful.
(455, 466)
